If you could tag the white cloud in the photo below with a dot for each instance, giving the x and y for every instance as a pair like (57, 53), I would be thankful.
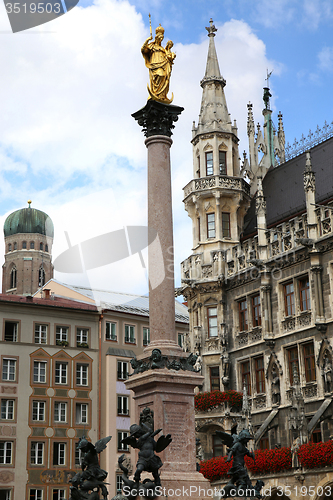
(325, 57)
(68, 140)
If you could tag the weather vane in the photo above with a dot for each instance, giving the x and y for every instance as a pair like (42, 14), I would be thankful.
(159, 61)
(268, 77)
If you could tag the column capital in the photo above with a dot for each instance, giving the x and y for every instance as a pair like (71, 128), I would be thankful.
(157, 118)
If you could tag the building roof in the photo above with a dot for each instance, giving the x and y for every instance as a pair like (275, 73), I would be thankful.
(53, 302)
(116, 301)
(28, 220)
(284, 191)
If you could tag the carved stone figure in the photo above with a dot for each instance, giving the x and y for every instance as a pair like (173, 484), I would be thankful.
(237, 450)
(198, 363)
(275, 386)
(92, 477)
(327, 372)
(157, 361)
(159, 61)
(142, 437)
(294, 449)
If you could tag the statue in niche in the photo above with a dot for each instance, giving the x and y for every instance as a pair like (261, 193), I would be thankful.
(87, 484)
(327, 373)
(198, 363)
(225, 368)
(275, 386)
(142, 437)
(294, 449)
(240, 484)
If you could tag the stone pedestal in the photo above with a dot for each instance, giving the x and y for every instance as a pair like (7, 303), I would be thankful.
(169, 393)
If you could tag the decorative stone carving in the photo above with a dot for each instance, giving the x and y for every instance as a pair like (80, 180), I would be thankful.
(289, 324)
(157, 118)
(275, 386)
(310, 391)
(6, 476)
(304, 319)
(242, 338)
(158, 361)
(259, 402)
(256, 334)
(327, 372)
(207, 271)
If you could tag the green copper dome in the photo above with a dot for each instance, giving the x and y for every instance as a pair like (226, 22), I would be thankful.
(28, 220)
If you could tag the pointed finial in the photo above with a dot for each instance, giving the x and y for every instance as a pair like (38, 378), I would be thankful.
(211, 29)
(308, 164)
(29, 203)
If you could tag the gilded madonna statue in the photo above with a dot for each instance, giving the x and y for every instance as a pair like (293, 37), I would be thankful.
(159, 61)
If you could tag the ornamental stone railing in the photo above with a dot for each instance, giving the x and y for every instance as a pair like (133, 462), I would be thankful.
(297, 322)
(216, 181)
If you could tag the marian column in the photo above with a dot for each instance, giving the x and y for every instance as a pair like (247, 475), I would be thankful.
(164, 378)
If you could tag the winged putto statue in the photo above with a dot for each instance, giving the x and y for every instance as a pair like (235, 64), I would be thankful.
(87, 484)
(142, 437)
(240, 483)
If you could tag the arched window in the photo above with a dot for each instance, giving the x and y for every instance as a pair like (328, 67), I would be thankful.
(40, 246)
(9, 247)
(41, 277)
(46, 248)
(15, 246)
(24, 244)
(32, 245)
(13, 278)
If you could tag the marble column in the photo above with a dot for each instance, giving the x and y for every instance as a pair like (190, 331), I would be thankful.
(168, 392)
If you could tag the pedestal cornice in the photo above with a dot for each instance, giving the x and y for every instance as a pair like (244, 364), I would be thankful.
(157, 118)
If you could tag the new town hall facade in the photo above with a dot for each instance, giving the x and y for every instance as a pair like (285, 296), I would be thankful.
(259, 280)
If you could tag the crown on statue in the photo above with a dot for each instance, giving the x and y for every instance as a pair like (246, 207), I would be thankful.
(159, 30)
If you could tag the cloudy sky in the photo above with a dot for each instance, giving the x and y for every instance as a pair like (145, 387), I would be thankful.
(67, 138)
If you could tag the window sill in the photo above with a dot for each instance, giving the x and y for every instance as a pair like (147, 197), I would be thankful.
(111, 340)
(129, 342)
(123, 415)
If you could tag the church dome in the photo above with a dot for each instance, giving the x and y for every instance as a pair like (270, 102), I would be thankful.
(28, 220)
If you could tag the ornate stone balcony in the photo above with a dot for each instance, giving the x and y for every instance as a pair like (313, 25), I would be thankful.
(249, 337)
(216, 181)
(296, 322)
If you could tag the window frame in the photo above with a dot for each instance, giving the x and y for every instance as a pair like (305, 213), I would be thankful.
(129, 339)
(13, 278)
(246, 376)
(209, 163)
(82, 333)
(60, 412)
(211, 226)
(124, 448)
(121, 372)
(111, 338)
(259, 374)
(40, 335)
(36, 495)
(6, 409)
(36, 463)
(6, 442)
(38, 403)
(226, 227)
(80, 376)
(209, 318)
(291, 362)
(60, 376)
(213, 378)
(256, 310)
(289, 299)
(64, 453)
(80, 404)
(306, 298)
(243, 315)
(312, 377)
(14, 359)
(145, 336)
(61, 341)
(223, 162)
(17, 335)
(123, 410)
(39, 362)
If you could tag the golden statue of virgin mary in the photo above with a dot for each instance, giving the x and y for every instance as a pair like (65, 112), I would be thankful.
(159, 61)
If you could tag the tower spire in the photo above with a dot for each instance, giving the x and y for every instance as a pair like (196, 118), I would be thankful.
(212, 66)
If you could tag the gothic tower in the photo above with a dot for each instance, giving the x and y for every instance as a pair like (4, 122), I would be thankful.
(28, 251)
(216, 199)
